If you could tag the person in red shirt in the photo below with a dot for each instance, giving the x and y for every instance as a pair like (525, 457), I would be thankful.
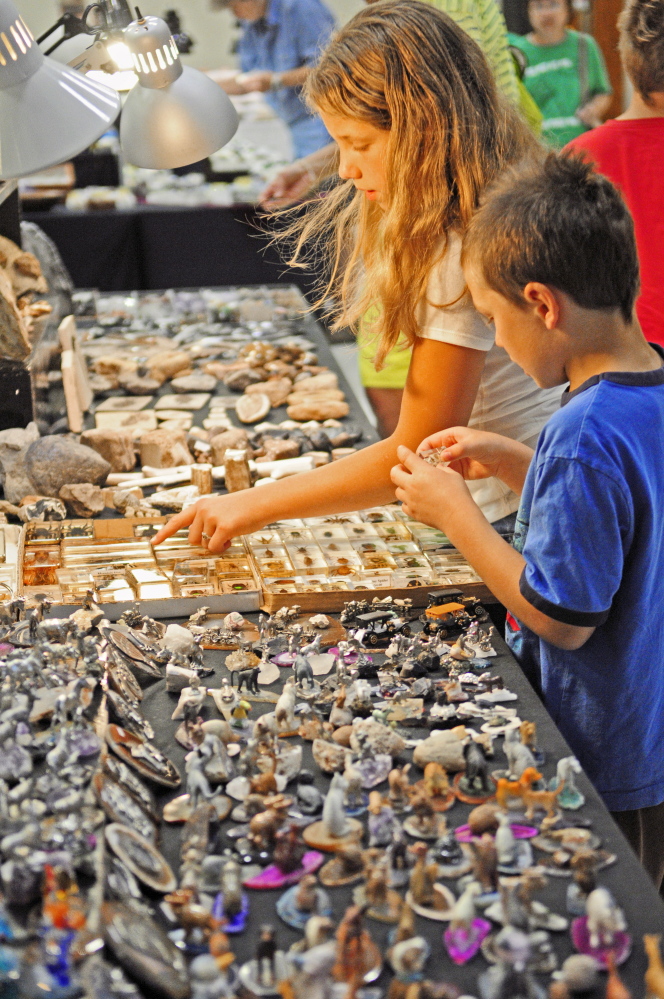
(629, 150)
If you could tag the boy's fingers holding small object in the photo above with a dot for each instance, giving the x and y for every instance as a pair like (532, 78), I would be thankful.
(407, 457)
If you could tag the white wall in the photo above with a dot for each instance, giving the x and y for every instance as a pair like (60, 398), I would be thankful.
(213, 31)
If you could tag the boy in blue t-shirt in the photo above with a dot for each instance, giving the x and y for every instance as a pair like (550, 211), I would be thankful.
(550, 258)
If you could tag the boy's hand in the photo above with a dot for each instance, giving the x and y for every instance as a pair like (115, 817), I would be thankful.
(213, 522)
(474, 454)
(429, 494)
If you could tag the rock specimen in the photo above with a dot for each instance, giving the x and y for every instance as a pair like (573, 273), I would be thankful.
(165, 449)
(136, 384)
(444, 748)
(54, 462)
(237, 475)
(381, 738)
(276, 449)
(329, 756)
(167, 364)
(238, 380)
(253, 408)
(14, 445)
(196, 382)
(317, 383)
(14, 342)
(220, 443)
(83, 499)
(115, 446)
(330, 409)
(276, 389)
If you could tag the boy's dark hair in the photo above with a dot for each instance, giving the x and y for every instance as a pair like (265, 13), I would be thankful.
(641, 45)
(560, 223)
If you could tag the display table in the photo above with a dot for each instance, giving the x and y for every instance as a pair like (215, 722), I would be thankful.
(626, 879)
(152, 247)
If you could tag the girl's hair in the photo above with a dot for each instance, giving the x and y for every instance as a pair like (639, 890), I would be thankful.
(641, 25)
(406, 67)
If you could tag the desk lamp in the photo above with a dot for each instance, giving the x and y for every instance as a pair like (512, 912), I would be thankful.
(48, 112)
(175, 115)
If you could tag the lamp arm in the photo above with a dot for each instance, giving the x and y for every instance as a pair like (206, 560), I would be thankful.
(72, 26)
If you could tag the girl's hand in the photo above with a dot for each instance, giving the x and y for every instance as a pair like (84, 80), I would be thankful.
(289, 185)
(213, 522)
(474, 454)
(427, 493)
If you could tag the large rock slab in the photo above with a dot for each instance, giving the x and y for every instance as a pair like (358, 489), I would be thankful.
(444, 748)
(14, 446)
(54, 462)
(115, 446)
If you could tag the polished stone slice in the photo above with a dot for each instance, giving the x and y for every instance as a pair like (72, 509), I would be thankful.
(144, 950)
(143, 756)
(141, 857)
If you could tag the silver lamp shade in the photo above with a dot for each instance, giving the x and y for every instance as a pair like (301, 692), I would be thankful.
(175, 115)
(48, 112)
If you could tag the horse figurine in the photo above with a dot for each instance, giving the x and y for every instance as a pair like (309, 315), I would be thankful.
(571, 798)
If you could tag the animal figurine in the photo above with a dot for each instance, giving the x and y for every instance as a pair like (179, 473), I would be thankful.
(604, 919)
(423, 879)
(435, 780)
(506, 789)
(247, 678)
(476, 779)
(382, 821)
(548, 800)
(335, 820)
(264, 826)
(195, 919)
(266, 952)
(485, 862)
(519, 757)
(303, 670)
(566, 771)
(354, 798)
(399, 788)
(284, 712)
(654, 977)
(463, 911)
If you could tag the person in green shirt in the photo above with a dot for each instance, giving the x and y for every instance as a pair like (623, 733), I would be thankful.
(565, 75)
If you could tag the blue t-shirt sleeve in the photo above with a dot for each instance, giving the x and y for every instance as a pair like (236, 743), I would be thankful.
(580, 523)
(310, 25)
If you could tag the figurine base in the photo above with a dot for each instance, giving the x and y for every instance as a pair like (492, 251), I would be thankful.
(287, 908)
(470, 795)
(317, 837)
(232, 924)
(274, 877)
(441, 915)
(332, 874)
(412, 827)
(620, 949)
(464, 834)
(571, 801)
(389, 912)
(263, 981)
(440, 802)
(463, 944)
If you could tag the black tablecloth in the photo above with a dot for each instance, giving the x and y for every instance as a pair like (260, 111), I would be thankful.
(626, 879)
(148, 248)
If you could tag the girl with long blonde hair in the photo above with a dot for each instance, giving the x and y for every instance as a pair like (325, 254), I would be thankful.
(421, 131)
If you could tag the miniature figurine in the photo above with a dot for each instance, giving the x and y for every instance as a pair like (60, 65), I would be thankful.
(382, 821)
(263, 974)
(425, 895)
(485, 863)
(506, 789)
(438, 787)
(511, 975)
(452, 859)
(399, 793)
(463, 937)
(602, 930)
(570, 798)
(615, 987)
(358, 959)
(475, 785)
(308, 798)
(303, 900)
(375, 896)
(335, 829)
(424, 823)
(312, 967)
(584, 880)
(284, 712)
(346, 867)
(519, 757)
(231, 905)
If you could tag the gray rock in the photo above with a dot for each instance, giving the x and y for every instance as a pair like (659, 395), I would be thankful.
(381, 738)
(136, 385)
(84, 499)
(54, 462)
(14, 446)
(198, 382)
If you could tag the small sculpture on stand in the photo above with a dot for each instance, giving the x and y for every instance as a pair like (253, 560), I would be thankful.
(399, 788)
(566, 770)
(335, 829)
(358, 958)
(463, 937)
(424, 823)
(378, 899)
(382, 821)
(425, 895)
(475, 785)
(304, 900)
(264, 973)
(603, 930)
(510, 977)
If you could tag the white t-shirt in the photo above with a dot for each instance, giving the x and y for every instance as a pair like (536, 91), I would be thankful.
(508, 400)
